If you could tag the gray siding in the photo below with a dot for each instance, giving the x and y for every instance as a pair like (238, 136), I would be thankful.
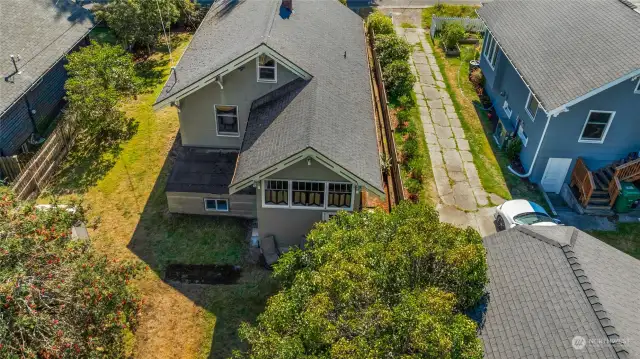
(288, 225)
(197, 122)
(240, 205)
(561, 139)
(623, 137)
(46, 99)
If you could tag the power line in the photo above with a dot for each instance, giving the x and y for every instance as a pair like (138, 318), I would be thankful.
(165, 33)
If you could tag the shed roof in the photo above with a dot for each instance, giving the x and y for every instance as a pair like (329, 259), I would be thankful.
(566, 49)
(550, 284)
(41, 32)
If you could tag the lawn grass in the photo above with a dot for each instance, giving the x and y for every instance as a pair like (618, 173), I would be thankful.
(626, 238)
(446, 10)
(127, 204)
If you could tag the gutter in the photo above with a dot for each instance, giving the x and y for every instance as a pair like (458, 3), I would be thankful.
(535, 157)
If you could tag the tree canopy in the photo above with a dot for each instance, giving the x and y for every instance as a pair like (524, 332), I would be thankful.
(99, 77)
(375, 285)
(59, 298)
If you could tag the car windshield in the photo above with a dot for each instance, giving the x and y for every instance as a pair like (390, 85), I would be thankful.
(532, 218)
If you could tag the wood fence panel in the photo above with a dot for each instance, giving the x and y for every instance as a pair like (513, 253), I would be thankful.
(398, 188)
(39, 170)
(472, 25)
(10, 168)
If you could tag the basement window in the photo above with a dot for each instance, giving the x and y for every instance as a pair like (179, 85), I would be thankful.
(226, 120)
(596, 127)
(216, 205)
(267, 70)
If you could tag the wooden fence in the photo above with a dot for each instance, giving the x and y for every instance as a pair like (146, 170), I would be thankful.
(398, 188)
(471, 25)
(42, 166)
(11, 166)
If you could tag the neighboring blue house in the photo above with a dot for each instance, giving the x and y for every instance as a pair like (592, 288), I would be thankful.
(36, 36)
(564, 76)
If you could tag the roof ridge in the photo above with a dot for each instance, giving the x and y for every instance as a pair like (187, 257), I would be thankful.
(272, 19)
(585, 285)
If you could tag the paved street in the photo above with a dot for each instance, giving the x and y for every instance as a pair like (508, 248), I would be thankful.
(462, 198)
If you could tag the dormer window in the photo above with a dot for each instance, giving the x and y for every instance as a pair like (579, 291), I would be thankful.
(267, 70)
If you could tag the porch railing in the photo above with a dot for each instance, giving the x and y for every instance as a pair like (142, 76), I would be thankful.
(582, 178)
(629, 171)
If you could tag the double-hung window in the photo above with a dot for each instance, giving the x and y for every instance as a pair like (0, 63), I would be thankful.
(216, 205)
(490, 50)
(307, 194)
(267, 69)
(276, 193)
(226, 120)
(596, 126)
(532, 106)
(507, 109)
(523, 136)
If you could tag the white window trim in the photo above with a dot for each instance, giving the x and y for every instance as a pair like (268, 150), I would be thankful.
(204, 202)
(507, 109)
(215, 116)
(606, 129)
(520, 132)
(275, 70)
(637, 89)
(526, 107)
(290, 205)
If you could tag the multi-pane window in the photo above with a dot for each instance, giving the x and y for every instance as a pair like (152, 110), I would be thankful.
(227, 120)
(307, 194)
(507, 109)
(216, 205)
(523, 136)
(491, 50)
(267, 71)
(532, 106)
(276, 193)
(596, 127)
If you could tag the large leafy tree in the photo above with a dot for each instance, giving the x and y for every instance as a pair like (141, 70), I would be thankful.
(375, 285)
(58, 298)
(99, 77)
(139, 22)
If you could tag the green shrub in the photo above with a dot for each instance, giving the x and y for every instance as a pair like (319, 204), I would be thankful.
(416, 168)
(406, 101)
(410, 148)
(477, 78)
(380, 23)
(452, 33)
(398, 79)
(413, 185)
(391, 48)
(514, 147)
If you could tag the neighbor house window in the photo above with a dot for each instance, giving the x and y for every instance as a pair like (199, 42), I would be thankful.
(532, 106)
(307, 194)
(340, 195)
(267, 71)
(276, 193)
(227, 120)
(507, 109)
(491, 50)
(523, 136)
(216, 205)
(596, 127)
(637, 90)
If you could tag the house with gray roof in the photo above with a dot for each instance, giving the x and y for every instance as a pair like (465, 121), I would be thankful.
(36, 36)
(276, 116)
(564, 77)
(557, 292)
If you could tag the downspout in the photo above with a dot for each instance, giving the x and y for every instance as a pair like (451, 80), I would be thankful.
(535, 157)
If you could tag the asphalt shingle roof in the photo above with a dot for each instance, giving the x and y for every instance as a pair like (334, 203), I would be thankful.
(40, 32)
(565, 49)
(550, 284)
(331, 113)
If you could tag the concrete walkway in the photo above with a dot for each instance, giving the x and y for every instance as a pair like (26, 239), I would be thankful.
(463, 200)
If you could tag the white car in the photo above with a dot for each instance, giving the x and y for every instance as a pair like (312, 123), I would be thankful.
(522, 212)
